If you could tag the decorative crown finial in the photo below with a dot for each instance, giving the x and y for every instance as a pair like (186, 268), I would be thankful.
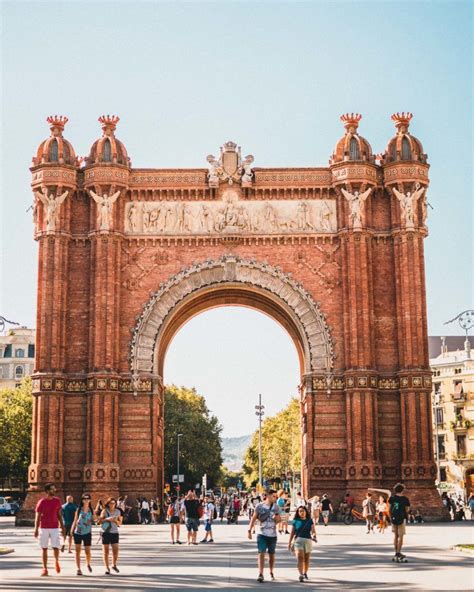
(402, 119)
(57, 122)
(351, 120)
(109, 122)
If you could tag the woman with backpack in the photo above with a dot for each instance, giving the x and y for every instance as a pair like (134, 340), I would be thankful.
(82, 531)
(110, 520)
(174, 517)
(304, 533)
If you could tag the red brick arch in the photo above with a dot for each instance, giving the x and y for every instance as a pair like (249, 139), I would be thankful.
(231, 280)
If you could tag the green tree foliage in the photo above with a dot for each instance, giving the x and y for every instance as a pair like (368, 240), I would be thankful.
(281, 446)
(186, 413)
(16, 408)
(230, 478)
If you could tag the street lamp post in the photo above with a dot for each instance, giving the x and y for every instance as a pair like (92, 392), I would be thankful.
(259, 413)
(178, 487)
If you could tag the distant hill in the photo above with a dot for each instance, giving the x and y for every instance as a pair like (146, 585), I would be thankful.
(233, 451)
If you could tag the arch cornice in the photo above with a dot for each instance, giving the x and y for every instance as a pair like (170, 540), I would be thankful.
(232, 271)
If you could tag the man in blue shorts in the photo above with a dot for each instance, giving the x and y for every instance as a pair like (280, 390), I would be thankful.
(268, 515)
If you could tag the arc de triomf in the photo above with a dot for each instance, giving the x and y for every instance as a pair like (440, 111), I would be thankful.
(334, 254)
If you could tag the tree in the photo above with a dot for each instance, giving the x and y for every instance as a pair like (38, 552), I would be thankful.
(281, 446)
(16, 408)
(230, 478)
(186, 413)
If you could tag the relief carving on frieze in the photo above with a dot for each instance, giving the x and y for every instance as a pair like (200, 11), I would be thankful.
(231, 215)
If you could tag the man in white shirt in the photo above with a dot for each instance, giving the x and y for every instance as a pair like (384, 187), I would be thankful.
(268, 515)
(208, 516)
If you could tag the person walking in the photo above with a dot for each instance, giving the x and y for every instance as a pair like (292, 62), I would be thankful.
(399, 507)
(222, 505)
(145, 511)
(315, 509)
(303, 533)
(48, 517)
(382, 512)
(174, 516)
(326, 508)
(368, 511)
(208, 516)
(82, 531)
(268, 515)
(68, 511)
(281, 501)
(193, 514)
(110, 519)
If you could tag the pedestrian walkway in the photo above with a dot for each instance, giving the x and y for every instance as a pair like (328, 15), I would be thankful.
(346, 558)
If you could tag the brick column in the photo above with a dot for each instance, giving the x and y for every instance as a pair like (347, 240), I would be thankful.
(361, 406)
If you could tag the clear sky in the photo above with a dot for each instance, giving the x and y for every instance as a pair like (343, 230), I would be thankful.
(274, 77)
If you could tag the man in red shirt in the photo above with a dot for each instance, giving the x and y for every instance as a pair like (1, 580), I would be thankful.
(48, 518)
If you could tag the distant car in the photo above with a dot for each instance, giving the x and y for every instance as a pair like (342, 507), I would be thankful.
(5, 508)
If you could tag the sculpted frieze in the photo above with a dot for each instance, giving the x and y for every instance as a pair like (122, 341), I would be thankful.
(230, 215)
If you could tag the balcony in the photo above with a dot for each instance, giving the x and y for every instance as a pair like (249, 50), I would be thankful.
(461, 423)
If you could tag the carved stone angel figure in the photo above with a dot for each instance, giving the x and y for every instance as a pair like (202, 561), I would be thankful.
(408, 202)
(104, 209)
(247, 173)
(356, 201)
(51, 206)
(214, 170)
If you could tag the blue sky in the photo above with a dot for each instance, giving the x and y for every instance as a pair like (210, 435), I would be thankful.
(274, 77)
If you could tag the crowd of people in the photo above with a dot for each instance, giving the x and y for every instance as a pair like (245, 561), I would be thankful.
(270, 514)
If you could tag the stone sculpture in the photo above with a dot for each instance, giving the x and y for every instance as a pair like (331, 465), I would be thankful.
(408, 205)
(356, 202)
(104, 210)
(52, 205)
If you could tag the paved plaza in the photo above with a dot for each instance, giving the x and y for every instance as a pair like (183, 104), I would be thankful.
(346, 558)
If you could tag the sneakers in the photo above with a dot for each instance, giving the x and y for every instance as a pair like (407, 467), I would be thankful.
(79, 572)
(115, 568)
(260, 578)
(178, 543)
(301, 578)
(204, 541)
(89, 568)
(44, 572)
(305, 576)
(272, 577)
(210, 541)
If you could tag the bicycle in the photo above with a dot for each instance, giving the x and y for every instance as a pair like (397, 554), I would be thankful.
(353, 515)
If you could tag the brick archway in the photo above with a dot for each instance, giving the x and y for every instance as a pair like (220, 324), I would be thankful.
(343, 243)
(231, 280)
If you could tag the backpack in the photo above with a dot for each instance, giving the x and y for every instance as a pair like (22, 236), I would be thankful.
(397, 511)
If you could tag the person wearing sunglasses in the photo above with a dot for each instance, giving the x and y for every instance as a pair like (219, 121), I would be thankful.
(82, 531)
(110, 519)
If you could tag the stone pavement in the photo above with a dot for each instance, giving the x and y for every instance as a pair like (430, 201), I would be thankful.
(346, 558)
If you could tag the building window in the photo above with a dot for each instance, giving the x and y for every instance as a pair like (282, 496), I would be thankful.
(31, 350)
(439, 414)
(406, 150)
(19, 370)
(437, 388)
(442, 474)
(53, 151)
(457, 370)
(461, 445)
(20, 353)
(354, 152)
(441, 447)
(107, 151)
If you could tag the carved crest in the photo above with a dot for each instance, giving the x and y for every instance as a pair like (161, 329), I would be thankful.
(230, 168)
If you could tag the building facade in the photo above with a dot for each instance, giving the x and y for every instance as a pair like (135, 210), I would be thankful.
(335, 254)
(17, 356)
(453, 418)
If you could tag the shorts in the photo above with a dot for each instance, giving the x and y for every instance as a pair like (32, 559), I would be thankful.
(49, 533)
(174, 520)
(399, 529)
(192, 524)
(302, 544)
(325, 513)
(266, 544)
(67, 530)
(284, 518)
(208, 526)
(85, 539)
(110, 538)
